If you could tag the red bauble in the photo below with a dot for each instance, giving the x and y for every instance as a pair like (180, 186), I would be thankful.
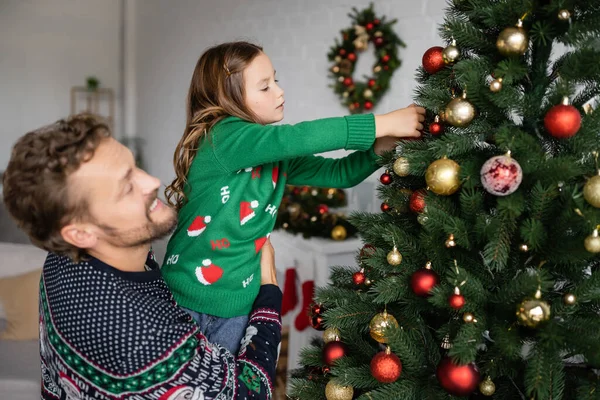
(352, 57)
(370, 26)
(317, 323)
(348, 81)
(433, 60)
(458, 380)
(385, 58)
(358, 278)
(456, 301)
(317, 309)
(342, 52)
(332, 351)
(435, 128)
(562, 121)
(385, 207)
(417, 201)
(368, 105)
(378, 41)
(386, 368)
(385, 178)
(371, 82)
(322, 209)
(423, 281)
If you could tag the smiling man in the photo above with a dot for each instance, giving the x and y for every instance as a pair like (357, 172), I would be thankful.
(109, 327)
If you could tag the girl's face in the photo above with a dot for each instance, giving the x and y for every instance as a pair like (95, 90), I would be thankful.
(263, 95)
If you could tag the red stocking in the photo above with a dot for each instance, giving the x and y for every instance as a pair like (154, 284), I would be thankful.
(303, 319)
(290, 293)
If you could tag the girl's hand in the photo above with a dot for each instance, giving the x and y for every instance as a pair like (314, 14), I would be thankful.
(403, 123)
(384, 144)
(268, 273)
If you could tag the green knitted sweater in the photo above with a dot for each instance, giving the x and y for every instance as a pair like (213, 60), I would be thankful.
(235, 186)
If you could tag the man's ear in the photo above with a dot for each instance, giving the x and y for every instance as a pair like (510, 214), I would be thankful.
(79, 235)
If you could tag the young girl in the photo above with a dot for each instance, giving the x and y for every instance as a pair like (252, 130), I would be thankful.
(231, 169)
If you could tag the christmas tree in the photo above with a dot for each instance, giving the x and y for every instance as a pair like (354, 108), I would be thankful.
(481, 279)
(310, 211)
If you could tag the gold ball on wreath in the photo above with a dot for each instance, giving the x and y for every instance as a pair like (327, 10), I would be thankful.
(379, 324)
(335, 391)
(401, 166)
(592, 242)
(591, 191)
(335, 69)
(532, 312)
(368, 93)
(394, 257)
(513, 41)
(339, 233)
(377, 69)
(459, 112)
(331, 334)
(442, 176)
(487, 387)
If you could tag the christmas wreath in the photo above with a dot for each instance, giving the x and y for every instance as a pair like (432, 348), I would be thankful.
(366, 27)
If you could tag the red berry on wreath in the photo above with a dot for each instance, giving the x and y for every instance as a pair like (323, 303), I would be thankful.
(386, 67)
(370, 26)
(357, 105)
(352, 57)
(563, 120)
(378, 41)
(417, 201)
(368, 105)
(385, 207)
(376, 21)
(322, 209)
(342, 52)
(385, 58)
(371, 83)
(385, 178)
(348, 81)
(433, 60)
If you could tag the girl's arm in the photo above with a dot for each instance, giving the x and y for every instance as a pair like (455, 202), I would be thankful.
(339, 173)
(238, 144)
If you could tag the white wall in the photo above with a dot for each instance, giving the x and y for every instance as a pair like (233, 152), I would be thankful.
(296, 34)
(46, 47)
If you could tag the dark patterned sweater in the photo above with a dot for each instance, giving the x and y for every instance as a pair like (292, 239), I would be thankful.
(109, 334)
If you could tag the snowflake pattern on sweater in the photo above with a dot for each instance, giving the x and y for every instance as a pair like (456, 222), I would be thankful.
(109, 334)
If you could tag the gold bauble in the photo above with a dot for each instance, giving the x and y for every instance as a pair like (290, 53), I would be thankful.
(487, 387)
(564, 15)
(459, 112)
(524, 248)
(335, 391)
(442, 176)
(592, 242)
(513, 41)
(377, 69)
(394, 257)
(496, 85)
(569, 299)
(401, 167)
(532, 312)
(378, 34)
(341, 79)
(451, 53)
(345, 95)
(591, 191)
(379, 324)
(368, 93)
(331, 334)
(339, 233)
(337, 59)
(450, 242)
(469, 318)
(335, 69)
(295, 210)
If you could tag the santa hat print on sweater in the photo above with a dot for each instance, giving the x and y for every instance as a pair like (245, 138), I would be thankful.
(260, 242)
(246, 211)
(198, 226)
(209, 273)
(275, 175)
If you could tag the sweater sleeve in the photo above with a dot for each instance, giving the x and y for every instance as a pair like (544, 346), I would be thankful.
(213, 371)
(339, 173)
(239, 144)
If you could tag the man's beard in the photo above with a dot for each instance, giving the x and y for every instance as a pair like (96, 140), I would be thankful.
(141, 236)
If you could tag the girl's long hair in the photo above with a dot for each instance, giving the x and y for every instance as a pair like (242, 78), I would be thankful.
(216, 91)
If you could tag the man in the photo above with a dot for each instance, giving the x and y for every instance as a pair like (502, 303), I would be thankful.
(109, 327)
